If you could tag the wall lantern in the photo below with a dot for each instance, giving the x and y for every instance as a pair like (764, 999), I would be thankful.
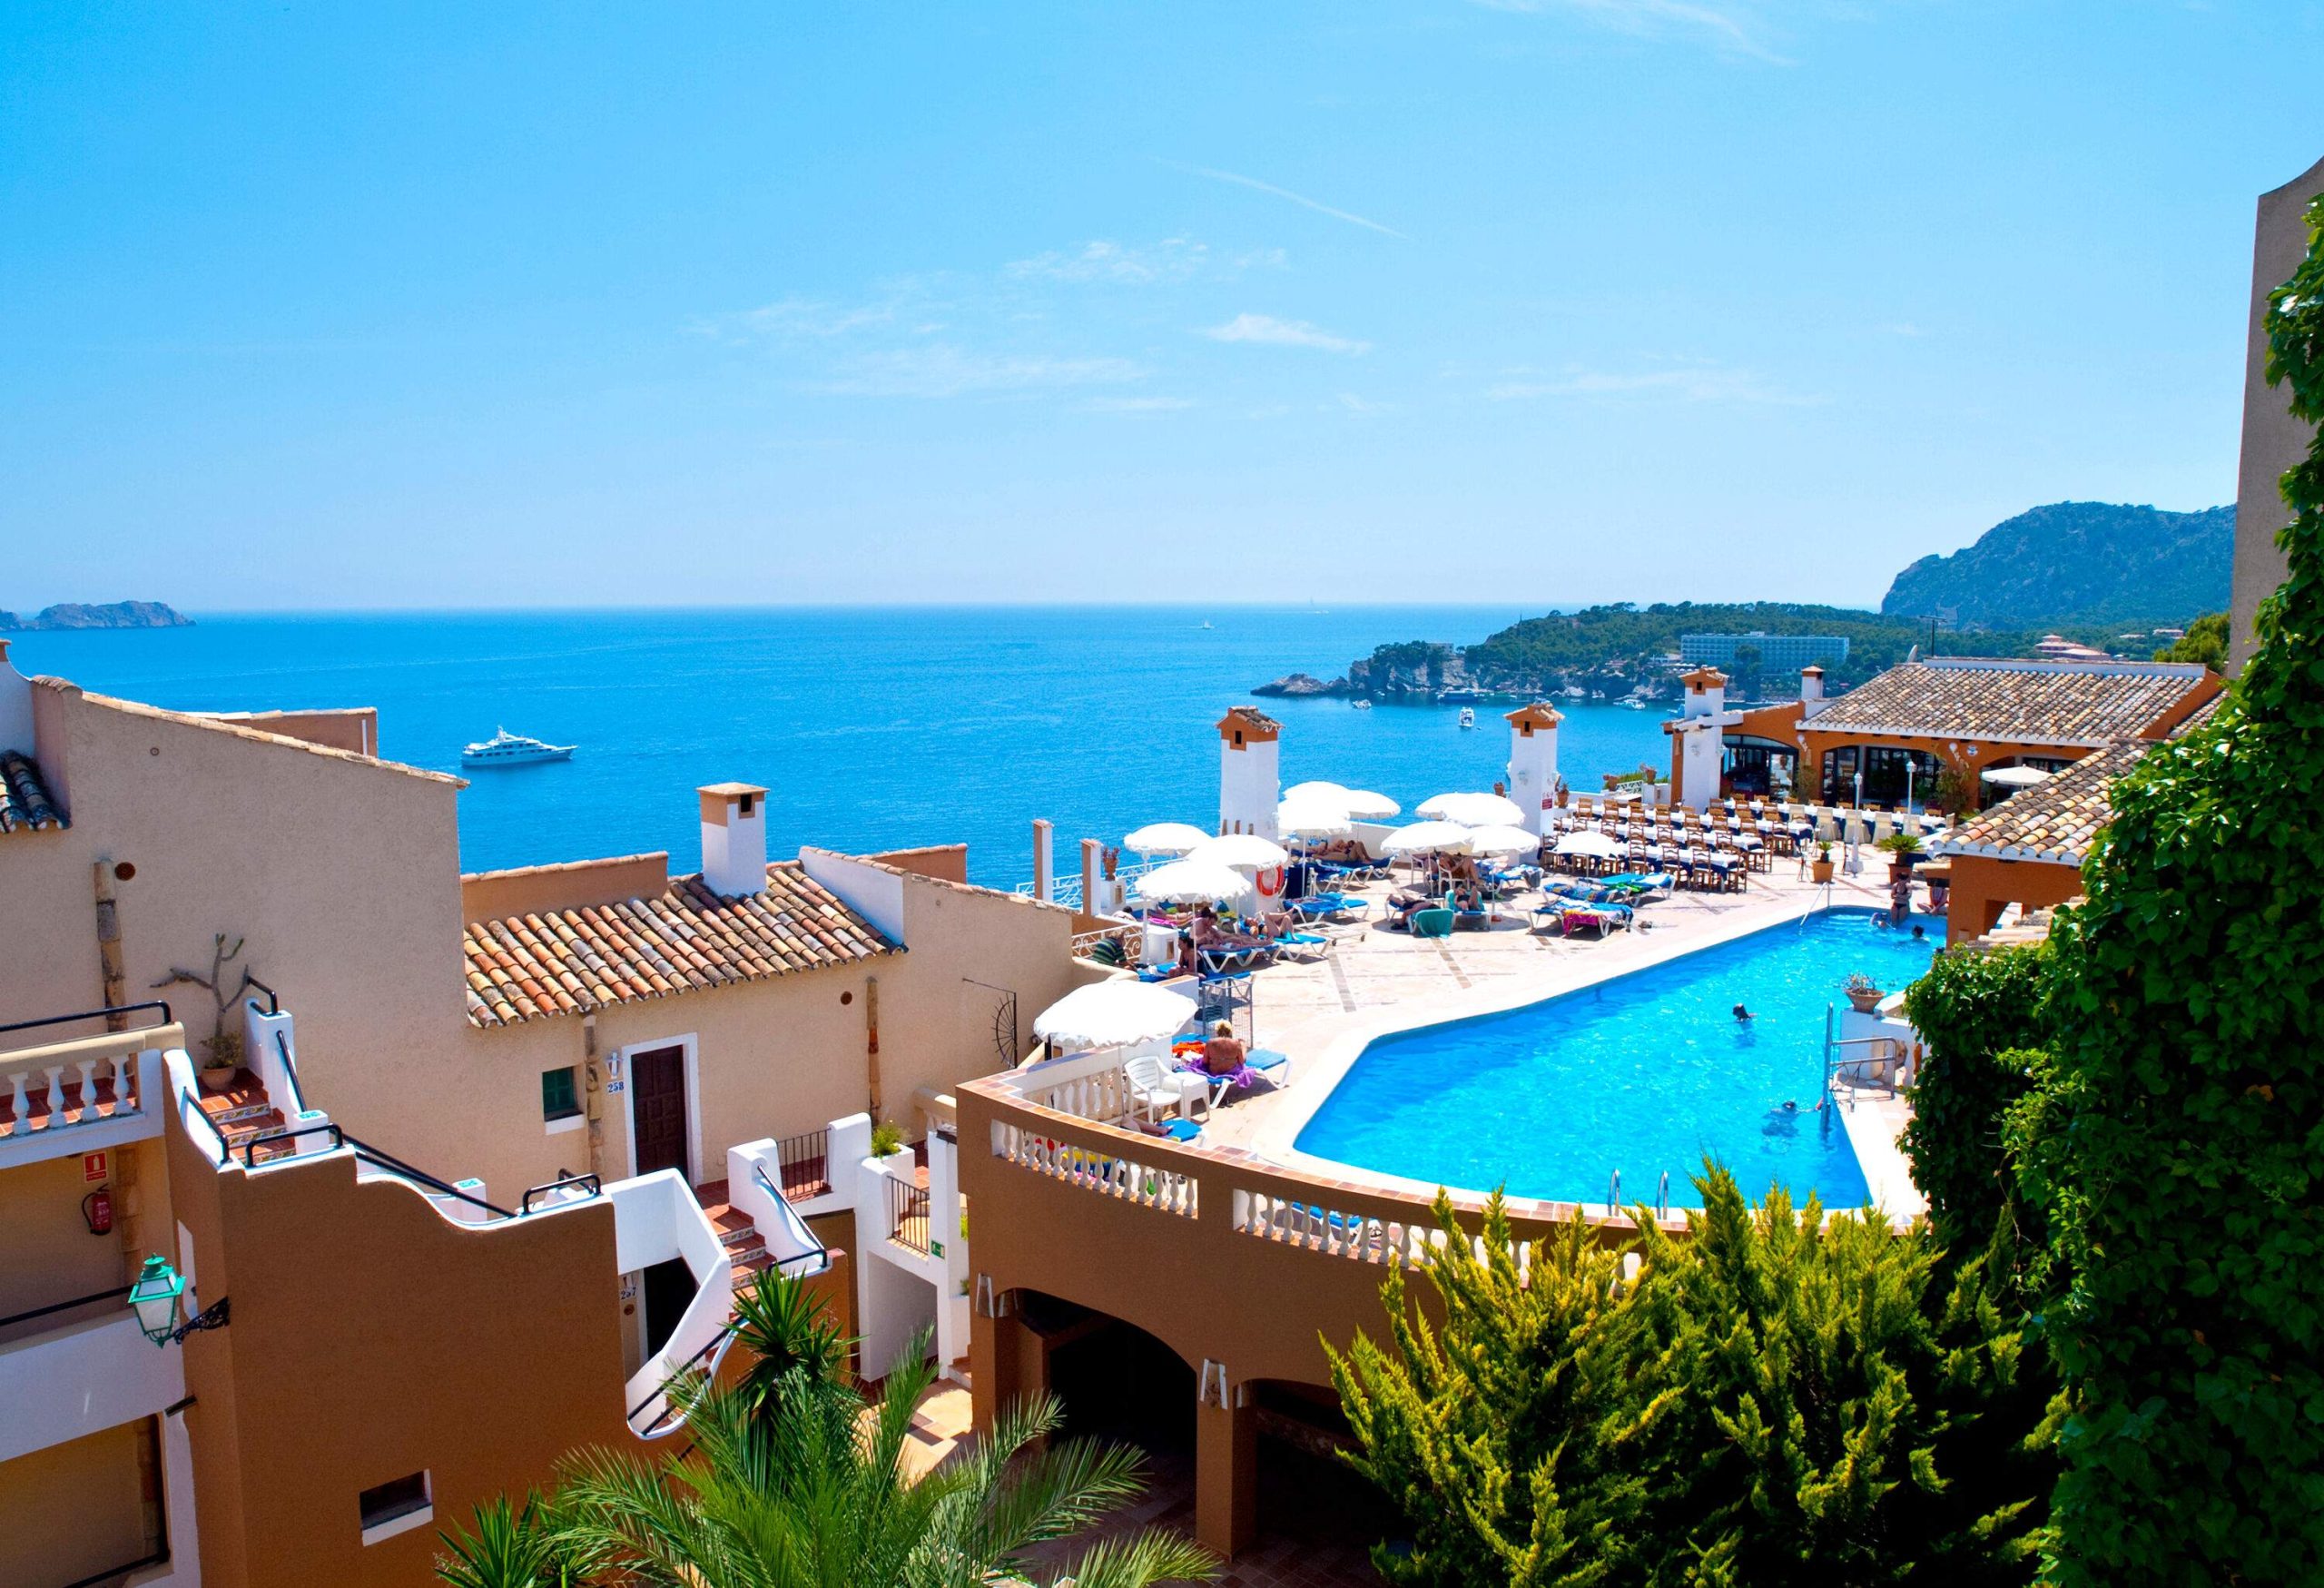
(155, 1299)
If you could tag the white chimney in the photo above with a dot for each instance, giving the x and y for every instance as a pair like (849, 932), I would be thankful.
(1533, 759)
(1249, 783)
(1811, 685)
(734, 839)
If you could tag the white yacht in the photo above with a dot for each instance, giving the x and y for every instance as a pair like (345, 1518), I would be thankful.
(1360, 703)
(1468, 717)
(507, 749)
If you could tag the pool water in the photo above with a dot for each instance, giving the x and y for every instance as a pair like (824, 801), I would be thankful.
(1647, 1073)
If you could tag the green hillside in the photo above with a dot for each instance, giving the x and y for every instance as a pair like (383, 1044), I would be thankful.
(2076, 563)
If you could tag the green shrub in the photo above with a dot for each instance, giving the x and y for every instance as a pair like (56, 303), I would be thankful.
(887, 1136)
(2174, 1143)
(1974, 1012)
(1774, 1400)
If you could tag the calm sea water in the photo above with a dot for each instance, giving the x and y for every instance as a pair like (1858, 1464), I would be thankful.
(1649, 1073)
(872, 728)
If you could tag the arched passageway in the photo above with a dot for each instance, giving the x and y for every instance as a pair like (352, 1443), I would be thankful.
(1259, 1476)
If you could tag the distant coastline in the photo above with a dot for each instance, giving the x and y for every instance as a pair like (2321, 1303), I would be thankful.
(67, 614)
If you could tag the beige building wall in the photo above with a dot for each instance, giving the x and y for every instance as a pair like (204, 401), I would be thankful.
(2272, 440)
(79, 1508)
(339, 872)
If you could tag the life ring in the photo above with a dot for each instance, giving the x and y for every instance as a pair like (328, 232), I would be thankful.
(1271, 882)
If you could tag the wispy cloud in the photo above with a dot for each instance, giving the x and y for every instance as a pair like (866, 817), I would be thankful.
(1282, 333)
(1730, 29)
(1255, 185)
(1349, 402)
(938, 369)
(1138, 404)
(1686, 383)
(1174, 259)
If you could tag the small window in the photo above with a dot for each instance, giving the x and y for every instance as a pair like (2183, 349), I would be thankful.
(396, 1506)
(559, 1100)
(746, 804)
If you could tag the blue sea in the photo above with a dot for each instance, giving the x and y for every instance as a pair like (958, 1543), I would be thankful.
(872, 728)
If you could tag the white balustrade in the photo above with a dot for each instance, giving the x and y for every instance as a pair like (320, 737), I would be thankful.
(88, 1090)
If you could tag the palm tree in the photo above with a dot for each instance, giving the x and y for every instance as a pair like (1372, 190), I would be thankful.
(793, 1482)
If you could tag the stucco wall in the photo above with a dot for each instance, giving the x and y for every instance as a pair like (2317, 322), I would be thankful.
(341, 875)
(75, 1509)
(2272, 440)
(1983, 885)
(372, 1339)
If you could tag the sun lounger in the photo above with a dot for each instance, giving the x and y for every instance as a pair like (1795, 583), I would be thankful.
(1434, 923)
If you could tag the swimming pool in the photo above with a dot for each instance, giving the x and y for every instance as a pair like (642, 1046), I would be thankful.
(1646, 1073)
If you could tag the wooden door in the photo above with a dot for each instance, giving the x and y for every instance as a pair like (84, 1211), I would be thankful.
(657, 1110)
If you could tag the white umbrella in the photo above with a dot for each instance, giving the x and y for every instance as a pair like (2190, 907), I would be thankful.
(1240, 849)
(2015, 777)
(1191, 882)
(1429, 838)
(1312, 820)
(1501, 840)
(1474, 810)
(1589, 844)
(1165, 838)
(1364, 805)
(1321, 794)
(1113, 1014)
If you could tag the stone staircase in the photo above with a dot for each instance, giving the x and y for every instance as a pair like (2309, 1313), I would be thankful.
(244, 1114)
(745, 1251)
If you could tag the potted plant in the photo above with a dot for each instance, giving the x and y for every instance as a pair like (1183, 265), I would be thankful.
(223, 1046)
(1820, 868)
(1903, 852)
(1864, 992)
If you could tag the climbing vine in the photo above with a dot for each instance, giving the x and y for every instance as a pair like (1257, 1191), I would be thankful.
(2176, 1141)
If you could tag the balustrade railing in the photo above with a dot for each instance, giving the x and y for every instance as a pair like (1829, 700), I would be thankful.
(907, 1214)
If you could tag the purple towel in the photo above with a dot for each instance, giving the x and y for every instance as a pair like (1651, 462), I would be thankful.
(1242, 1076)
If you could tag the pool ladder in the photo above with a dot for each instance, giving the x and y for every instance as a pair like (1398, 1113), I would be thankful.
(1661, 1194)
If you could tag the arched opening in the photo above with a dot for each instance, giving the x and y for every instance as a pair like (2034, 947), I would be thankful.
(1312, 1520)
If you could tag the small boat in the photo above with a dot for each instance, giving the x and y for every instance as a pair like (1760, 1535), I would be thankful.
(1360, 703)
(1468, 717)
(1458, 695)
(1205, 622)
(1634, 703)
(507, 749)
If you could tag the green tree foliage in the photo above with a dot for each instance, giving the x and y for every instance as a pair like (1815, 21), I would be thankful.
(1772, 1399)
(2176, 1144)
(1974, 1012)
(2205, 641)
(796, 1484)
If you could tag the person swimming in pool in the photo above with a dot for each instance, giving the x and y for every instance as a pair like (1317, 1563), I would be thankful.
(1742, 1013)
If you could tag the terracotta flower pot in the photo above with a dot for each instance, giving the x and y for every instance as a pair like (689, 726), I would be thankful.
(1821, 870)
(1866, 1002)
(217, 1079)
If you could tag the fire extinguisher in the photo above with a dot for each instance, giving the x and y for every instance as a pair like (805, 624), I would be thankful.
(97, 1208)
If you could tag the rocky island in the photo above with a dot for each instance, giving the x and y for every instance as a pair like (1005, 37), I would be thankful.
(107, 614)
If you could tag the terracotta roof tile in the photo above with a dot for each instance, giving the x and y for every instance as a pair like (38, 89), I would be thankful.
(2054, 821)
(25, 803)
(570, 961)
(2045, 702)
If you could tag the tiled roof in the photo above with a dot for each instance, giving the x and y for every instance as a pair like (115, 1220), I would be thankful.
(570, 961)
(2052, 820)
(2043, 703)
(26, 802)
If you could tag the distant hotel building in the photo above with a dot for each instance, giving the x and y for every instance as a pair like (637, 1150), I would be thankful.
(1778, 652)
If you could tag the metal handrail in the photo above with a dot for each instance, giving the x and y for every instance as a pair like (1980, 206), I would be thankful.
(821, 1251)
(592, 1181)
(290, 1071)
(274, 1004)
(370, 1154)
(1614, 1192)
(1662, 1196)
(662, 1389)
(59, 1019)
(27, 1317)
(251, 1146)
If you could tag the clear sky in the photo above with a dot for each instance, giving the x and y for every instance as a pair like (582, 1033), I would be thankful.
(1531, 302)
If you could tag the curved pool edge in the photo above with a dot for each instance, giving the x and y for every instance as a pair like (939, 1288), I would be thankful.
(1871, 1131)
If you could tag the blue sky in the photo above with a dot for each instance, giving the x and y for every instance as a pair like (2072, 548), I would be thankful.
(1541, 303)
